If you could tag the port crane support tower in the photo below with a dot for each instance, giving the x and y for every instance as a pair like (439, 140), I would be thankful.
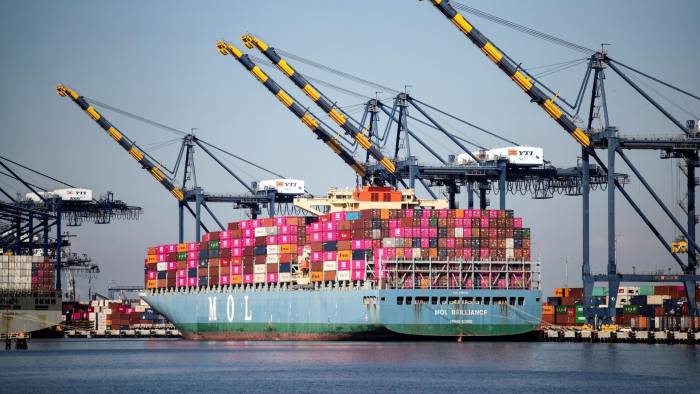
(684, 146)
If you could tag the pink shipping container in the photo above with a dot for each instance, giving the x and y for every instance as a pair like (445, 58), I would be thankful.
(244, 224)
(151, 275)
(344, 265)
(192, 281)
(280, 221)
(172, 266)
(357, 244)
(162, 249)
(443, 213)
(206, 237)
(236, 269)
(316, 237)
(272, 240)
(249, 241)
(330, 236)
(338, 216)
(398, 233)
(485, 253)
(192, 247)
(236, 243)
(407, 213)
(236, 252)
(316, 256)
(518, 222)
(248, 278)
(256, 223)
(272, 277)
(329, 256)
(249, 233)
(484, 223)
(182, 282)
(424, 242)
(426, 213)
(224, 243)
(407, 253)
(161, 257)
(224, 279)
(182, 273)
(358, 265)
(191, 263)
(316, 226)
(330, 226)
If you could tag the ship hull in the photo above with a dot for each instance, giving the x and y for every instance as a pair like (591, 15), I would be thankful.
(348, 314)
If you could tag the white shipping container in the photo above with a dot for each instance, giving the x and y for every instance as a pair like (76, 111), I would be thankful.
(459, 232)
(284, 277)
(259, 278)
(510, 243)
(162, 266)
(389, 242)
(342, 275)
(260, 231)
(272, 259)
(260, 269)
(273, 249)
(509, 253)
(330, 265)
(272, 230)
(657, 299)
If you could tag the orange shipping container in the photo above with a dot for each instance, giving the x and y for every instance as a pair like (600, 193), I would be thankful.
(236, 279)
(151, 284)
(182, 247)
(286, 248)
(328, 275)
(547, 309)
(316, 276)
(151, 250)
(151, 258)
(344, 255)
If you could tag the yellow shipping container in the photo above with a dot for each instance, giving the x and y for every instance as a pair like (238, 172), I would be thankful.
(286, 248)
(344, 255)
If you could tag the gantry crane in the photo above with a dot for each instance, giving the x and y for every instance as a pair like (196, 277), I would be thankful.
(317, 97)
(253, 201)
(610, 140)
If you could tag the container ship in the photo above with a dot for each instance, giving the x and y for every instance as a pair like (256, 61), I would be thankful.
(370, 263)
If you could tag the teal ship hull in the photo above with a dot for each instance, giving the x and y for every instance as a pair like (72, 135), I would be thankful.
(348, 313)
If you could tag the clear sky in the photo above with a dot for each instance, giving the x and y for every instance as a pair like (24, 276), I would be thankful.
(158, 59)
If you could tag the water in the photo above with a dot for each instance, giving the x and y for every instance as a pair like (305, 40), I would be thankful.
(178, 366)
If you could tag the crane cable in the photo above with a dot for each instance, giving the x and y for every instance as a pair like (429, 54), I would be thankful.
(524, 29)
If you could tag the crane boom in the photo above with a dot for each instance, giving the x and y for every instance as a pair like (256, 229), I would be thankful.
(511, 69)
(307, 118)
(123, 140)
(314, 94)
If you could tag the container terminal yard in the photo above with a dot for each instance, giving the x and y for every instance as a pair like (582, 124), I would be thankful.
(391, 256)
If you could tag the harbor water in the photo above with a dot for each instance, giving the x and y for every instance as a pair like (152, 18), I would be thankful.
(179, 366)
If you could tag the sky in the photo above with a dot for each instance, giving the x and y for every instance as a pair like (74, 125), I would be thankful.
(158, 59)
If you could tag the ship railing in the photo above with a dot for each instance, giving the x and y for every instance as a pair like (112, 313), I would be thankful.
(457, 274)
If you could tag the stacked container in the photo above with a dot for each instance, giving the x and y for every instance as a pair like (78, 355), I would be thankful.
(339, 246)
(35, 274)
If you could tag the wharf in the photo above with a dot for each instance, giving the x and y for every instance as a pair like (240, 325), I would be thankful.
(620, 336)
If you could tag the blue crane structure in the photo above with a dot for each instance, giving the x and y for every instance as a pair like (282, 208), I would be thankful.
(684, 146)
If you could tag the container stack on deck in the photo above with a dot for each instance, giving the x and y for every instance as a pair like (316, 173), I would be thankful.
(27, 274)
(638, 307)
(339, 245)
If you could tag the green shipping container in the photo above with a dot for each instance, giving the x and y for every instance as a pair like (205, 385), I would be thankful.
(646, 290)
(561, 309)
(600, 291)
(630, 309)
(579, 310)
(213, 244)
(181, 256)
(580, 319)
